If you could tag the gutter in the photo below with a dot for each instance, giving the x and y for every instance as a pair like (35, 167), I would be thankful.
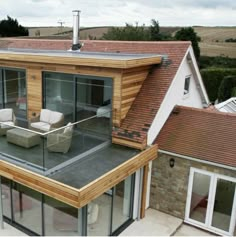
(198, 160)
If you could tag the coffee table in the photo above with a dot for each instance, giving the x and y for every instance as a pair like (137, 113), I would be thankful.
(23, 138)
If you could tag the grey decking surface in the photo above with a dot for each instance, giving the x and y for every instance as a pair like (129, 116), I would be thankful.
(93, 166)
(36, 154)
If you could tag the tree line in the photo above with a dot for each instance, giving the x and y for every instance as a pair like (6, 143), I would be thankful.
(152, 33)
(10, 28)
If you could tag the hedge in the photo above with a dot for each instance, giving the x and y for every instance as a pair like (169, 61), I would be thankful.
(212, 78)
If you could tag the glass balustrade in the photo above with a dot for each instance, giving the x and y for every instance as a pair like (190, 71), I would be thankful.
(59, 147)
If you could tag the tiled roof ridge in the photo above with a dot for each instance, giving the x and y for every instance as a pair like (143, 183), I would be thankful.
(203, 110)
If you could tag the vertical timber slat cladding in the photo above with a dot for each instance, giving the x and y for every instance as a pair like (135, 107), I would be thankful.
(132, 81)
(34, 90)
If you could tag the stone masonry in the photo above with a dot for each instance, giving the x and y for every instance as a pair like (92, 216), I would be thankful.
(169, 185)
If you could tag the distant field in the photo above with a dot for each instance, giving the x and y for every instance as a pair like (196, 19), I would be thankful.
(213, 41)
(212, 38)
(47, 31)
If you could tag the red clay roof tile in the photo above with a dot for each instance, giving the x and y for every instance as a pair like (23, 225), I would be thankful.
(200, 133)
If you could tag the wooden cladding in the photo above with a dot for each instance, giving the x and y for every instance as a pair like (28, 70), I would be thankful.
(132, 81)
(115, 61)
(126, 83)
(72, 196)
(39, 183)
(34, 89)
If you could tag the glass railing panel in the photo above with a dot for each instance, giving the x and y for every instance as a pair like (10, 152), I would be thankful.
(21, 145)
(74, 140)
(60, 146)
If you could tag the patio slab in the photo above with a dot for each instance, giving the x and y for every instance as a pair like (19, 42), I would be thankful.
(187, 230)
(10, 231)
(155, 223)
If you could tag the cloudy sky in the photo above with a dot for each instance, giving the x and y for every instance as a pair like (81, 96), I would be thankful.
(119, 12)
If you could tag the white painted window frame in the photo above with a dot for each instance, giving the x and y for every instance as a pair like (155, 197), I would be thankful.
(187, 92)
(210, 206)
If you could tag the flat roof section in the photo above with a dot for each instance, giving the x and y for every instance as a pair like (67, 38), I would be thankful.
(98, 59)
(95, 174)
(93, 166)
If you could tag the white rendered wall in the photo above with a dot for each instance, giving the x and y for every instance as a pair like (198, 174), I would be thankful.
(175, 96)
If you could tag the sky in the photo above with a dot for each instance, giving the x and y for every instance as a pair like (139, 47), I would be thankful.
(119, 12)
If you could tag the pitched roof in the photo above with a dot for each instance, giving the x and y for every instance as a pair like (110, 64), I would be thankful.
(142, 112)
(200, 133)
(228, 106)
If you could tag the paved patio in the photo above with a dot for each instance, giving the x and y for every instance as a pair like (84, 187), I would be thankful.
(158, 223)
(154, 224)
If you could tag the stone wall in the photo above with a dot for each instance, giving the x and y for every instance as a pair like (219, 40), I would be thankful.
(169, 185)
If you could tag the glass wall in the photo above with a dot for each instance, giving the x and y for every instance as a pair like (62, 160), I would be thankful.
(27, 207)
(47, 216)
(99, 215)
(13, 91)
(61, 219)
(1, 89)
(6, 197)
(59, 94)
(77, 96)
(111, 210)
(122, 194)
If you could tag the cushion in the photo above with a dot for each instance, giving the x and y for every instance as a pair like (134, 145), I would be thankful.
(6, 124)
(92, 213)
(41, 126)
(6, 115)
(45, 115)
(69, 128)
(55, 117)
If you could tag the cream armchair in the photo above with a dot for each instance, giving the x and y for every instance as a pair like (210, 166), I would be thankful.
(59, 141)
(7, 119)
(46, 121)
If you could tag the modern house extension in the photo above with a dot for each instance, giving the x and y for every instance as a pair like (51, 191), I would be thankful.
(77, 159)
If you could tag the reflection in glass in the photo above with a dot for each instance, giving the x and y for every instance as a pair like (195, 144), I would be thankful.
(199, 198)
(6, 197)
(59, 94)
(1, 90)
(15, 92)
(27, 208)
(60, 218)
(122, 203)
(99, 215)
(223, 204)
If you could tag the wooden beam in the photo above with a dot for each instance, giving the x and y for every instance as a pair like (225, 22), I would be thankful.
(42, 184)
(128, 143)
(144, 191)
(104, 62)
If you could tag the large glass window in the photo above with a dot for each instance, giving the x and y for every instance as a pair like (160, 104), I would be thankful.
(211, 201)
(1, 89)
(80, 97)
(122, 203)
(27, 207)
(99, 215)
(61, 219)
(13, 91)
(59, 94)
(6, 197)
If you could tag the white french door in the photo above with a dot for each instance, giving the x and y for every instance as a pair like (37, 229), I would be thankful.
(211, 201)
